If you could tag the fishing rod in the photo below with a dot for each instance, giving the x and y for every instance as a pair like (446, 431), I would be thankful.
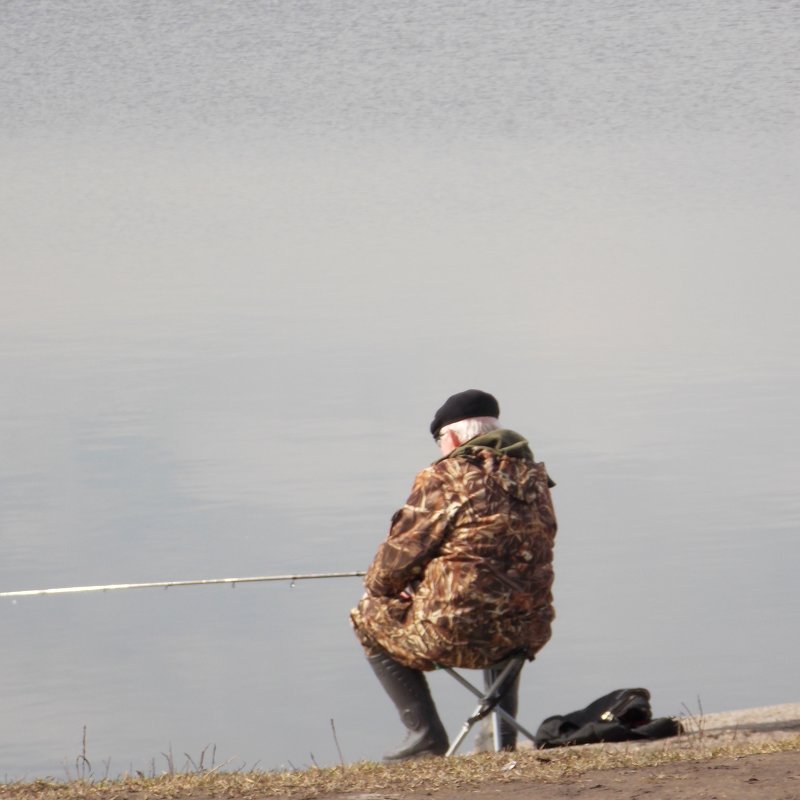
(110, 587)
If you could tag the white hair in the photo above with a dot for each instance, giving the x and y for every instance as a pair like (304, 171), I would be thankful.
(466, 429)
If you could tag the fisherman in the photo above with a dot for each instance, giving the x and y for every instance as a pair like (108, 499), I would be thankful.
(464, 576)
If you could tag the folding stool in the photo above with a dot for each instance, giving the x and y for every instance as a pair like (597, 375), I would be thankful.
(489, 699)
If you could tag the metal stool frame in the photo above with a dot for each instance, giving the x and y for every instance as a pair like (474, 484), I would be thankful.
(488, 700)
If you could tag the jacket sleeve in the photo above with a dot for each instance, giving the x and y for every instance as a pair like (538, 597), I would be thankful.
(416, 534)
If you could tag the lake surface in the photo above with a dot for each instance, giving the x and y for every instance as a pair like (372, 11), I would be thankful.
(247, 249)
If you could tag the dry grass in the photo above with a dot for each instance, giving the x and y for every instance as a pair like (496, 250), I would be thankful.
(427, 775)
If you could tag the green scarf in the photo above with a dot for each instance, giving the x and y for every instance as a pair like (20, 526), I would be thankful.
(502, 441)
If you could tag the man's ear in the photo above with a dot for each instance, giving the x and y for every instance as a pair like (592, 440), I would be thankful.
(451, 441)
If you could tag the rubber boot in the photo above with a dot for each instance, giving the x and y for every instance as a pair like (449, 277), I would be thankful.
(509, 704)
(408, 690)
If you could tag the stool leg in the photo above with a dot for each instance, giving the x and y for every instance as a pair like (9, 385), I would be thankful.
(507, 673)
(505, 735)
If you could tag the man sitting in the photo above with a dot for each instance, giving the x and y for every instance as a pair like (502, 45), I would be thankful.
(464, 576)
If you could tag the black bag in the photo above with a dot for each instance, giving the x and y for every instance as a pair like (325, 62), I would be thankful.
(616, 717)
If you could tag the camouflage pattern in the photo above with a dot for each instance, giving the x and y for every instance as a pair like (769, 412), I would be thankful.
(472, 548)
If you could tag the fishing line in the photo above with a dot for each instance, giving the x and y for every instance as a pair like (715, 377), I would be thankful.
(110, 587)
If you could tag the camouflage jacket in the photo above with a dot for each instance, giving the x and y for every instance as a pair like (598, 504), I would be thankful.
(474, 542)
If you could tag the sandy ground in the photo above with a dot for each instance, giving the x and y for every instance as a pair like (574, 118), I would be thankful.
(772, 776)
(775, 776)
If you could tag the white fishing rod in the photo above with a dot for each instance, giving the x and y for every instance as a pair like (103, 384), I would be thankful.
(110, 587)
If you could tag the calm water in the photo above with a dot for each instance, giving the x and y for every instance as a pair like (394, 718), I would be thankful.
(248, 248)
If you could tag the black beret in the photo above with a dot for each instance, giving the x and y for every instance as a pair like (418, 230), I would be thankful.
(471, 403)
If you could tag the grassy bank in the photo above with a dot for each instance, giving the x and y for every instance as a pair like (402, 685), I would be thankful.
(428, 775)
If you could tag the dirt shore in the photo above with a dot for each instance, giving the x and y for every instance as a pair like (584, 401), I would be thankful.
(765, 776)
(772, 776)
(744, 754)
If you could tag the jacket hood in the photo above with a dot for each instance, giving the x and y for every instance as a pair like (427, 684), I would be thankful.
(503, 441)
(508, 461)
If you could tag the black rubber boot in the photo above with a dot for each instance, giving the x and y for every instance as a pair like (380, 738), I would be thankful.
(408, 690)
(509, 704)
